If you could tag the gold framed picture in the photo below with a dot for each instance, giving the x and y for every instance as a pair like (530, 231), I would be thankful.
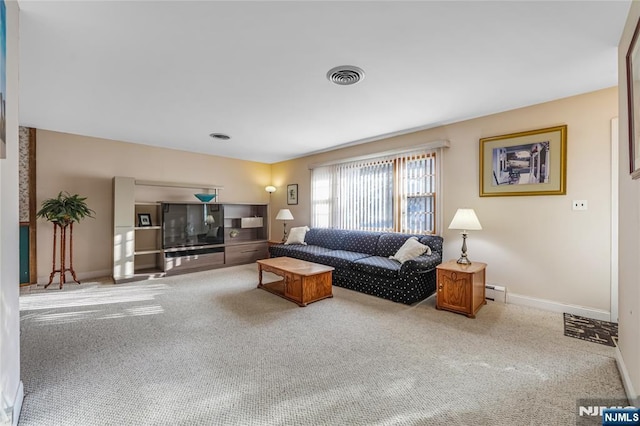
(525, 163)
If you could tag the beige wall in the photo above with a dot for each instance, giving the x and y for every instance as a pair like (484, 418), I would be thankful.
(536, 246)
(86, 166)
(629, 224)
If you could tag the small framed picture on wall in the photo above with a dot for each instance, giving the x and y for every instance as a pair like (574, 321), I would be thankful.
(292, 194)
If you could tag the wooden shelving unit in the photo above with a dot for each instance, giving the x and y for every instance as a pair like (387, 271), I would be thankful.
(138, 252)
(148, 240)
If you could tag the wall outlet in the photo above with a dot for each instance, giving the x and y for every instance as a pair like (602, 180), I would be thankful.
(579, 205)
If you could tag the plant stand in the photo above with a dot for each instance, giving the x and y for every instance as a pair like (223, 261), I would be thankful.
(63, 254)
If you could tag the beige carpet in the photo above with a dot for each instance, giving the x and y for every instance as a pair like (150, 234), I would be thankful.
(211, 349)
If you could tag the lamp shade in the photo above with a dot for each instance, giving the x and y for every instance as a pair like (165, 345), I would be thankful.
(209, 220)
(466, 220)
(284, 214)
(270, 189)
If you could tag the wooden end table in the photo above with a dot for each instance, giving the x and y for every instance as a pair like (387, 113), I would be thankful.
(460, 288)
(302, 282)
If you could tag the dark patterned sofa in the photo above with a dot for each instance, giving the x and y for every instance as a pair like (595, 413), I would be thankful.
(361, 262)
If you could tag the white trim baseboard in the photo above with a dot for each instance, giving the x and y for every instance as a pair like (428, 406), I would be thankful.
(632, 396)
(550, 305)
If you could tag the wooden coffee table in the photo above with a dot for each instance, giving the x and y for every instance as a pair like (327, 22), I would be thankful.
(302, 282)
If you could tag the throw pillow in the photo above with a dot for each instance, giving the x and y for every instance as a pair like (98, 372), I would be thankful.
(411, 249)
(296, 235)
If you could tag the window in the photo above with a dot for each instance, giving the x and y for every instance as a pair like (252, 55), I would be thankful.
(391, 193)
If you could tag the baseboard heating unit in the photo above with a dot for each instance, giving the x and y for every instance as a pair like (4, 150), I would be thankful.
(495, 293)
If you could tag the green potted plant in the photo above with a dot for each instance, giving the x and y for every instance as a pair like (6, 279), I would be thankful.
(63, 211)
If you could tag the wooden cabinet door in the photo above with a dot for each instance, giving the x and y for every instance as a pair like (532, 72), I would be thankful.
(317, 287)
(454, 291)
(293, 287)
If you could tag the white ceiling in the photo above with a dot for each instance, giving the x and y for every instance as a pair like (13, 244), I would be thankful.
(169, 73)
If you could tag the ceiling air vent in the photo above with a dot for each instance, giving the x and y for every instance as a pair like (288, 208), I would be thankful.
(345, 75)
(220, 136)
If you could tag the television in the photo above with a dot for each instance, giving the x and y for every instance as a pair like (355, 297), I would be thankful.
(192, 224)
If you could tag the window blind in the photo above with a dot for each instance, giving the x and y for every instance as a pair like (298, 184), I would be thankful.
(390, 193)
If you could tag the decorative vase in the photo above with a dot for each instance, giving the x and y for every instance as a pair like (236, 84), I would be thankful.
(205, 198)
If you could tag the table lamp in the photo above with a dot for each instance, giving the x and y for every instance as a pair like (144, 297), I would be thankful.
(284, 215)
(465, 219)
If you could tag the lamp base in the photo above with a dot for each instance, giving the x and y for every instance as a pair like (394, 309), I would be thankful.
(463, 257)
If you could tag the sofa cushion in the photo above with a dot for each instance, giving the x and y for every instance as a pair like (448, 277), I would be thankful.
(360, 242)
(422, 263)
(306, 252)
(377, 265)
(433, 241)
(296, 235)
(411, 249)
(339, 258)
(325, 237)
(390, 243)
